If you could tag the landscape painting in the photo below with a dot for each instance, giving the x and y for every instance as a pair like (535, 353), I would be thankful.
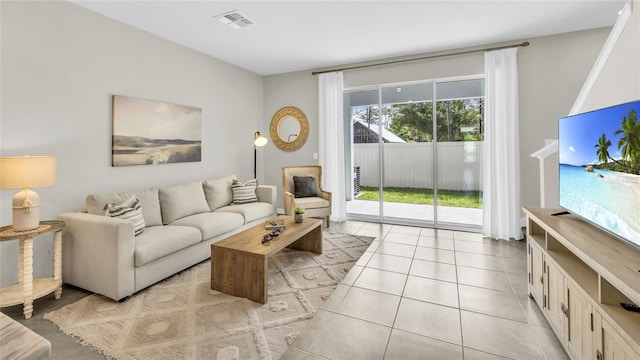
(149, 132)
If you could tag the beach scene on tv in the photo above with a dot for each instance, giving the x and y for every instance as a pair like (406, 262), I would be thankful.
(599, 155)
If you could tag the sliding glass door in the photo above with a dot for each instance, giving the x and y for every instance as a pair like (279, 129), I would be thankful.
(413, 162)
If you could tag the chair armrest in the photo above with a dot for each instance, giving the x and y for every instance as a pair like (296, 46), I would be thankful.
(289, 202)
(325, 195)
(98, 254)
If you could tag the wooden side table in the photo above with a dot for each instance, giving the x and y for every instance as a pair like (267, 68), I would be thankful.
(27, 290)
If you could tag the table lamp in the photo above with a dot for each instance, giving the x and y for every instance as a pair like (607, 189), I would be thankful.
(23, 173)
(259, 140)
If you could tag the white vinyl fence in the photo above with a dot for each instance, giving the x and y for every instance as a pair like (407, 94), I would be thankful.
(411, 165)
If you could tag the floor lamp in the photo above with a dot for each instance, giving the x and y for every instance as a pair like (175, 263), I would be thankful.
(259, 140)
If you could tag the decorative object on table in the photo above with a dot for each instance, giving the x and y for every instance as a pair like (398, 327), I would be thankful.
(298, 214)
(181, 314)
(302, 187)
(289, 128)
(27, 289)
(274, 234)
(274, 224)
(259, 140)
(147, 132)
(23, 173)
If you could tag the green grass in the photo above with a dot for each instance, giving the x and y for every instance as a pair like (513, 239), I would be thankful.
(453, 198)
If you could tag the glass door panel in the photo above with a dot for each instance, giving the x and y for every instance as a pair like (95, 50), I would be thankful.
(361, 109)
(407, 153)
(460, 140)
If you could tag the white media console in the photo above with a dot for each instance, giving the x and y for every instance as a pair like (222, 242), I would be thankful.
(578, 275)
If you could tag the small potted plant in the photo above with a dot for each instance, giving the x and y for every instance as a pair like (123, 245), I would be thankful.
(298, 214)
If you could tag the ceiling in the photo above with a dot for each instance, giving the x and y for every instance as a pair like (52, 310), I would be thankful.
(290, 36)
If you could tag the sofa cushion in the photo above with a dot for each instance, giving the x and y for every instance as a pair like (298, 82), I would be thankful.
(249, 212)
(244, 193)
(312, 203)
(158, 241)
(218, 192)
(304, 186)
(211, 224)
(148, 201)
(179, 201)
(129, 210)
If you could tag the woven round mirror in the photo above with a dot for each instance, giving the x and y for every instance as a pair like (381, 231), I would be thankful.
(289, 128)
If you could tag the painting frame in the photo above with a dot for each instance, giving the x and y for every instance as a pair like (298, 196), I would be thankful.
(148, 132)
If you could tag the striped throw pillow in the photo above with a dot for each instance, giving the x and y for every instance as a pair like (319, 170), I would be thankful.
(244, 193)
(129, 210)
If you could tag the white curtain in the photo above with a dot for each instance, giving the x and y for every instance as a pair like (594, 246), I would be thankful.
(501, 170)
(331, 141)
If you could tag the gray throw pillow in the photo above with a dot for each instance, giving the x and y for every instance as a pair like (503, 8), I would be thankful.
(304, 186)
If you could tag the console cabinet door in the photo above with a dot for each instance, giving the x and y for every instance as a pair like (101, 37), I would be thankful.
(555, 294)
(614, 347)
(536, 273)
(581, 337)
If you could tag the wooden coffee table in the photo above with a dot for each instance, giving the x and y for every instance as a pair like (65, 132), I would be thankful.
(239, 262)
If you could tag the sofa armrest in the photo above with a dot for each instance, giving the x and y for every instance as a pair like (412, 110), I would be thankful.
(267, 194)
(98, 254)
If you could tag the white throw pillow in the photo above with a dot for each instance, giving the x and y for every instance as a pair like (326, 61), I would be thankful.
(129, 210)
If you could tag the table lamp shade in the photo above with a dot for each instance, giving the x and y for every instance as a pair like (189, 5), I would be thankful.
(23, 173)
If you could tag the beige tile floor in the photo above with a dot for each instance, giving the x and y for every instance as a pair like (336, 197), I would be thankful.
(417, 293)
(421, 293)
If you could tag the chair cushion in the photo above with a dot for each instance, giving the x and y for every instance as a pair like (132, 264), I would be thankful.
(179, 201)
(129, 210)
(218, 192)
(158, 241)
(312, 203)
(149, 202)
(244, 193)
(249, 212)
(211, 224)
(304, 186)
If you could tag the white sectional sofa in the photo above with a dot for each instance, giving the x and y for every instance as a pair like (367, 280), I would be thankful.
(102, 254)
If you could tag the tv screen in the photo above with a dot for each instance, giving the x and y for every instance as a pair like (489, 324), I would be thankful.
(599, 153)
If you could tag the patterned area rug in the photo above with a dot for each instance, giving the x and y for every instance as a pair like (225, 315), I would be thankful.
(182, 318)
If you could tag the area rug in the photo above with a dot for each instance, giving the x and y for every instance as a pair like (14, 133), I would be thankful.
(182, 318)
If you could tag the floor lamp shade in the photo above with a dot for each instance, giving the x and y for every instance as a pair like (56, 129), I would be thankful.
(23, 173)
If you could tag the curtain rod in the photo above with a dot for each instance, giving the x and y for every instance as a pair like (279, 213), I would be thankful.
(526, 43)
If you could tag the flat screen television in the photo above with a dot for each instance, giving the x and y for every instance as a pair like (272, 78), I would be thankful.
(599, 153)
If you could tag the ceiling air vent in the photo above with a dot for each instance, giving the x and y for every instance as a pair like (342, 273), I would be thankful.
(234, 19)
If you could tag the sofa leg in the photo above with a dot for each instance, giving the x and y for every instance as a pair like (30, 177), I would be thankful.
(328, 221)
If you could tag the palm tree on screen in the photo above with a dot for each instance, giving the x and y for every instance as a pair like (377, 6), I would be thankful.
(603, 149)
(629, 143)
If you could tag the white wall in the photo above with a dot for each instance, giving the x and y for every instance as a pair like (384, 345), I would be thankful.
(298, 89)
(551, 72)
(61, 63)
(619, 80)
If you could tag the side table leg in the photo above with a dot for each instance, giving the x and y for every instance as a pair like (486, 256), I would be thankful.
(57, 262)
(27, 279)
